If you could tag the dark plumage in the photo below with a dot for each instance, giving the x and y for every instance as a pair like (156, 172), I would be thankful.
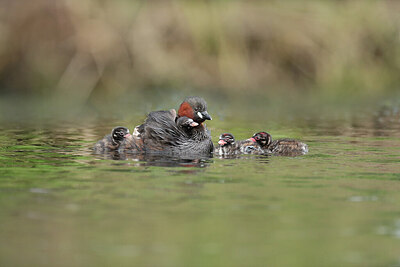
(171, 133)
(164, 132)
(283, 147)
(195, 108)
(112, 141)
(227, 146)
(186, 125)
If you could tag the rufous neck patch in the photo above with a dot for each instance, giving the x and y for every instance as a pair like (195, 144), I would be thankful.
(185, 110)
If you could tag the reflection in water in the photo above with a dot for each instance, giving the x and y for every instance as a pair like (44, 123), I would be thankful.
(130, 210)
(59, 144)
(163, 160)
(384, 122)
(160, 160)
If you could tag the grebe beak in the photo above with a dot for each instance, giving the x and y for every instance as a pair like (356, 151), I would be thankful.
(205, 115)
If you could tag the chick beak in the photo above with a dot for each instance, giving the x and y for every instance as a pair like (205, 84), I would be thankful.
(252, 140)
(221, 142)
(193, 124)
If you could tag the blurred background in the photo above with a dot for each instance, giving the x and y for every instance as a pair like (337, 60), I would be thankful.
(69, 57)
(323, 72)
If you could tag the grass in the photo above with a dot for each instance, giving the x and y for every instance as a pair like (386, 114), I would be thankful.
(80, 51)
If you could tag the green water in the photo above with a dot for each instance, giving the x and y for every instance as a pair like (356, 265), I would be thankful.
(339, 205)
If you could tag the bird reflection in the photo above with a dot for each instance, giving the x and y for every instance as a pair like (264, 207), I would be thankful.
(160, 160)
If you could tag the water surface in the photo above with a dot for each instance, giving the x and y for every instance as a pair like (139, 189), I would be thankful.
(339, 205)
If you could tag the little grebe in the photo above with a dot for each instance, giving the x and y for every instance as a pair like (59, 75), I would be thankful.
(112, 141)
(228, 146)
(165, 131)
(283, 147)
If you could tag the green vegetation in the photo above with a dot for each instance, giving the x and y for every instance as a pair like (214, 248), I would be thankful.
(72, 70)
(337, 206)
(102, 50)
